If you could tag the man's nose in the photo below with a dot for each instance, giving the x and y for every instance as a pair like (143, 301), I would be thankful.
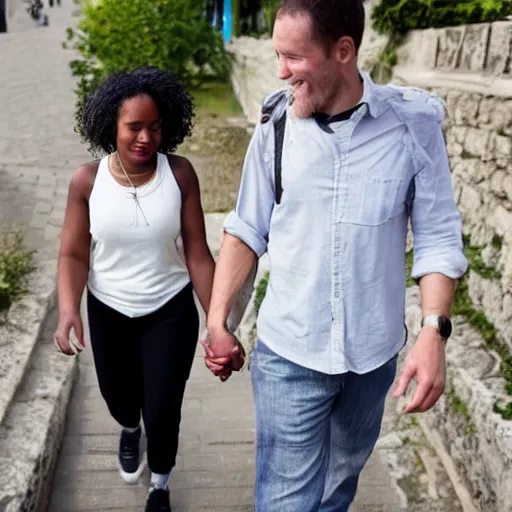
(284, 71)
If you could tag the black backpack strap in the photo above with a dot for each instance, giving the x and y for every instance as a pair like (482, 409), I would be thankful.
(409, 198)
(279, 126)
(279, 122)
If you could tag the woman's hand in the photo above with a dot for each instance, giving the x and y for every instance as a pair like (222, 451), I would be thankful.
(69, 335)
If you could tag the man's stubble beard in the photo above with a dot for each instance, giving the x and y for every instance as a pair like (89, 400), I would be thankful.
(305, 104)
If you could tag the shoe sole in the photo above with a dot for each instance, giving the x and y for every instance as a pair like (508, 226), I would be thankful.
(132, 478)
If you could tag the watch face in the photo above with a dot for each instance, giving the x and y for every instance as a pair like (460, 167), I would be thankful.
(445, 327)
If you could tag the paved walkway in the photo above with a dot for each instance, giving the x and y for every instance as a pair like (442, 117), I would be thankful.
(38, 152)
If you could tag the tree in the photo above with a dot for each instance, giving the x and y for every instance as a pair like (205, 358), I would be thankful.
(121, 35)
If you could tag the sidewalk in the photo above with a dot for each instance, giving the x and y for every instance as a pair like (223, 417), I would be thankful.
(215, 467)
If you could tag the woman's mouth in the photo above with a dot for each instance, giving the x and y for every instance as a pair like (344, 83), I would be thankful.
(142, 152)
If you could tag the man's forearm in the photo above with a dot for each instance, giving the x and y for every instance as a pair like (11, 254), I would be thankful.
(231, 271)
(437, 292)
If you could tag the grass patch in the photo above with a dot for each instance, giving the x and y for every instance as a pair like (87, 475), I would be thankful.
(476, 263)
(497, 242)
(16, 263)
(462, 306)
(505, 411)
(466, 155)
(217, 146)
(409, 259)
(261, 290)
(216, 99)
(458, 407)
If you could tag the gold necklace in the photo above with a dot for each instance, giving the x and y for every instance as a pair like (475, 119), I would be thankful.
(134, 193)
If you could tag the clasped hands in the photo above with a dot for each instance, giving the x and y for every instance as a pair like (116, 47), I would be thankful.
(224, 354)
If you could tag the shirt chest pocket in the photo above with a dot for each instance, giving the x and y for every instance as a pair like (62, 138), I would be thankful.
(372, 199)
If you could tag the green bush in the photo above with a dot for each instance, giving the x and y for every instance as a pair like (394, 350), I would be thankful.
(121, 35)
(15, 265)
(261, 291)
(400, 16)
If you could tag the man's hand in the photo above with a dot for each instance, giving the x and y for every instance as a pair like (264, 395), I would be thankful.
(426, 362)
(224, 353)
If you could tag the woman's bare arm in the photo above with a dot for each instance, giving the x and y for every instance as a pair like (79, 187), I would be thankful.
(198, 257)
(73, 263)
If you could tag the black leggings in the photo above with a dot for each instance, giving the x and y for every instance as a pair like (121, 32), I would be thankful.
(143, 365)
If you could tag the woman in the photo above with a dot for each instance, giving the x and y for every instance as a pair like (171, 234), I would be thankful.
(124, 218)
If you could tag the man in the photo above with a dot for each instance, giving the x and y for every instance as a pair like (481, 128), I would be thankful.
(359, 160)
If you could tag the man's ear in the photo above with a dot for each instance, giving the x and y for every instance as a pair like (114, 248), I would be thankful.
(345, 50)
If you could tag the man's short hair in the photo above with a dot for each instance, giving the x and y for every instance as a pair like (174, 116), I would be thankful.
(332, 19)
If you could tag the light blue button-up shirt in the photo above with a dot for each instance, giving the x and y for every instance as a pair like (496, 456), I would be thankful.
(336, 242)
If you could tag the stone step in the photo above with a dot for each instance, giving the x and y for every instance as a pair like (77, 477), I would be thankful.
(32, 428)
(20, 330)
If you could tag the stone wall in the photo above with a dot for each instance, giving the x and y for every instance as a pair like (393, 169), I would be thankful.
(470, 68)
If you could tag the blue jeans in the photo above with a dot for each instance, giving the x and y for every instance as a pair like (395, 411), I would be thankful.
(314, 431)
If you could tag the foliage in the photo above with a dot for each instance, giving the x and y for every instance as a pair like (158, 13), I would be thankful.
(122, 35)
(216, 99)
(400, 16)
(15, 265)
(261, 291)
(270, 8)
(459, 408)
(409, 259)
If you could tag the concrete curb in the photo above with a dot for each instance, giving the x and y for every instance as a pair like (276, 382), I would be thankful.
(36, 384)
(20, 332)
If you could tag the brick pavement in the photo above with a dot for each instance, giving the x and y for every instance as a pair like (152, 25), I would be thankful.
(38, 153)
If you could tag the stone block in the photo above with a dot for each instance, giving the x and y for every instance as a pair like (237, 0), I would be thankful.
(501, 146)
(477, 143)
(474, 48)
(507, 186)
(500, 47)
(419, 49)
(467, 109)
(450, 45)
(502, 219)
(496, 183)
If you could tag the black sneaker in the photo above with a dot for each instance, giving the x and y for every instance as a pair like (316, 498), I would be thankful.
(130, 460)
(158, 500)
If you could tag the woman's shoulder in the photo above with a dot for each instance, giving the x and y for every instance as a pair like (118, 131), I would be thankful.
(83, 178)
(179, 162)
(183, 171)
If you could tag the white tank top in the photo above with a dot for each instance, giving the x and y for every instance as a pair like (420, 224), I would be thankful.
(136, 267)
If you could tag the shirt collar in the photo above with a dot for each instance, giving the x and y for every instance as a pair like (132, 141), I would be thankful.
(371, 96)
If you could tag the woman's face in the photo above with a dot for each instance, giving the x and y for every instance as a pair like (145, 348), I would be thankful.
(139, 131)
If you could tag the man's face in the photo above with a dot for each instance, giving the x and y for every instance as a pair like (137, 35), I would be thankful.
(313, 74)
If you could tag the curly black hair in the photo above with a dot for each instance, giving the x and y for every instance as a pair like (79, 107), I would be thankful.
(97, 119)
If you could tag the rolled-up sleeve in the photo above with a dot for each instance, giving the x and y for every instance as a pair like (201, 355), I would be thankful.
(250, 220)
(435, 219)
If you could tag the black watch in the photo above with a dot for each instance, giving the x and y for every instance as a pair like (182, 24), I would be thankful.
(442, 323)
